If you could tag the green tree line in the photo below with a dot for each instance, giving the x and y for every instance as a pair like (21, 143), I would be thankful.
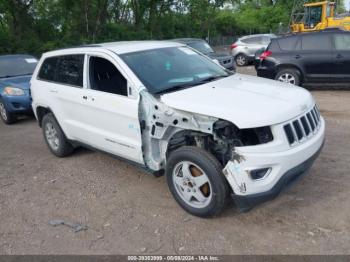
(36, 26)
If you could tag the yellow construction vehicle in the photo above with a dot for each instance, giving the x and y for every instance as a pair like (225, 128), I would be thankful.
(319, 16)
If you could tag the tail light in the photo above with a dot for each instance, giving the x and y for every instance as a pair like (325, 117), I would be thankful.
(233, 46)
(265, 54)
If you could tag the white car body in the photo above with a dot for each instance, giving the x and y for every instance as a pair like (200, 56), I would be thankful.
(113, 123)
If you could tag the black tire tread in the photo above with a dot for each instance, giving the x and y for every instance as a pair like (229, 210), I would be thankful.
(10, 117)
(66, 147)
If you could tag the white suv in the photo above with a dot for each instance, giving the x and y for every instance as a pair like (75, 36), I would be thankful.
(170, 109)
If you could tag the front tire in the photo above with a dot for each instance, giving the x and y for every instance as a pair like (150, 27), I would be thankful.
(6, 117)
(289, 75)
(196, 181)
(54, 137)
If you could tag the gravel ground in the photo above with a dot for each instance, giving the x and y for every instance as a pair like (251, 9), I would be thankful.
(127, 211)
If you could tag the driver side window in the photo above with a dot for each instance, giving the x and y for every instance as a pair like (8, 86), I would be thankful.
(105, 77)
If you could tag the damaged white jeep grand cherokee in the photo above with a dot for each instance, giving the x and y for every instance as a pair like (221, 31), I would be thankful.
(171, 110)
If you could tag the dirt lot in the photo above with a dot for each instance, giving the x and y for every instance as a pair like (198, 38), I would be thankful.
(130, 212)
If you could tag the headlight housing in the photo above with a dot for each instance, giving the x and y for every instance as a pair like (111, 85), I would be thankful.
(14, 91)
(216, 61)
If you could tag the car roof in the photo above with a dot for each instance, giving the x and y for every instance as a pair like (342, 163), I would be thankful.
(121, 47)
(187, 40)
(257, 35)
(15, 56)
(327, 30)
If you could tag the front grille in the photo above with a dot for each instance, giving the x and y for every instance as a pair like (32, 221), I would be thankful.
(304, 127)
(226, 61)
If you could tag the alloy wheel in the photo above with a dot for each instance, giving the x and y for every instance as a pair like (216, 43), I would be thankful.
(192, 184)
(287, 78)
(241, 60)
(52, 136)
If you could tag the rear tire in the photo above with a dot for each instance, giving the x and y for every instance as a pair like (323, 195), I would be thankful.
(196, 181)
(289, 75)
(6, 117)
(54, 137)
(241, 60)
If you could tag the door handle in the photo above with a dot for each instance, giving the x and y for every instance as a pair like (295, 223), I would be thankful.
(53, 91)
(85, 97)
(297, 56)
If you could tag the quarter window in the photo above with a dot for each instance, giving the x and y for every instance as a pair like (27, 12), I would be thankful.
(48, 69)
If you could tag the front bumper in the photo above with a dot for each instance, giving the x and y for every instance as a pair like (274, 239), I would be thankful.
(18, 104)
(285, 167)
(245, 203)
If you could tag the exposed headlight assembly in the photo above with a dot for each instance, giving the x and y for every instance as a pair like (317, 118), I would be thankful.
(14, 91)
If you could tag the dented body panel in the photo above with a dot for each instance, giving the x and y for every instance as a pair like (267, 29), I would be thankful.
(279, 162)
(160, 123)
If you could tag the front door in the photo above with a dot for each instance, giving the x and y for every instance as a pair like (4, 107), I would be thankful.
(110, 117)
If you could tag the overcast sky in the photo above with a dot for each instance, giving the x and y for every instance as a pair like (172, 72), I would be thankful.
(347, 4)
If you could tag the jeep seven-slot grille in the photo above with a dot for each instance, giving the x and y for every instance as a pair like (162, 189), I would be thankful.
(303, 127)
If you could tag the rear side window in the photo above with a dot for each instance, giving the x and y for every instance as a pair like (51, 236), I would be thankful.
(63, 69)
(342, 41)
(289, 43)
(316, 42)
(253, 40)
(48, 69)
(70, 70)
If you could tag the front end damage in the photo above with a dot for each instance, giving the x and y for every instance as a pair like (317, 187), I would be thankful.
(258, 162)
(260, 173)
(165, 129)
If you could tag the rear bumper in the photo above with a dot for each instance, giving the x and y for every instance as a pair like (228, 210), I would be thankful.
(18, 104)
(245, 203)
(265, 72)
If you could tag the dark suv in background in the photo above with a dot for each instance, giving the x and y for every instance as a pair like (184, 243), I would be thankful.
(317, 57)
(202, 46)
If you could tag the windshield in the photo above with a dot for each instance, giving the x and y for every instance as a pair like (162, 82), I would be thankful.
(313, 16)
(201, 46)
(170, 69)
(11, 66)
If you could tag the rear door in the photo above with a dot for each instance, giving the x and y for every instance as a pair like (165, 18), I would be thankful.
(342, 56)
(61, 80)
(316, 56)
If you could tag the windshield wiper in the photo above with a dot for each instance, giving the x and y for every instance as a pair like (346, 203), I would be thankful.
(176, 88)
(191, 84)
(210, 79)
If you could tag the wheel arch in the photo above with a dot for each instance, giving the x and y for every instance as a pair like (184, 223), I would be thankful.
(291, 66)
(40, 112)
